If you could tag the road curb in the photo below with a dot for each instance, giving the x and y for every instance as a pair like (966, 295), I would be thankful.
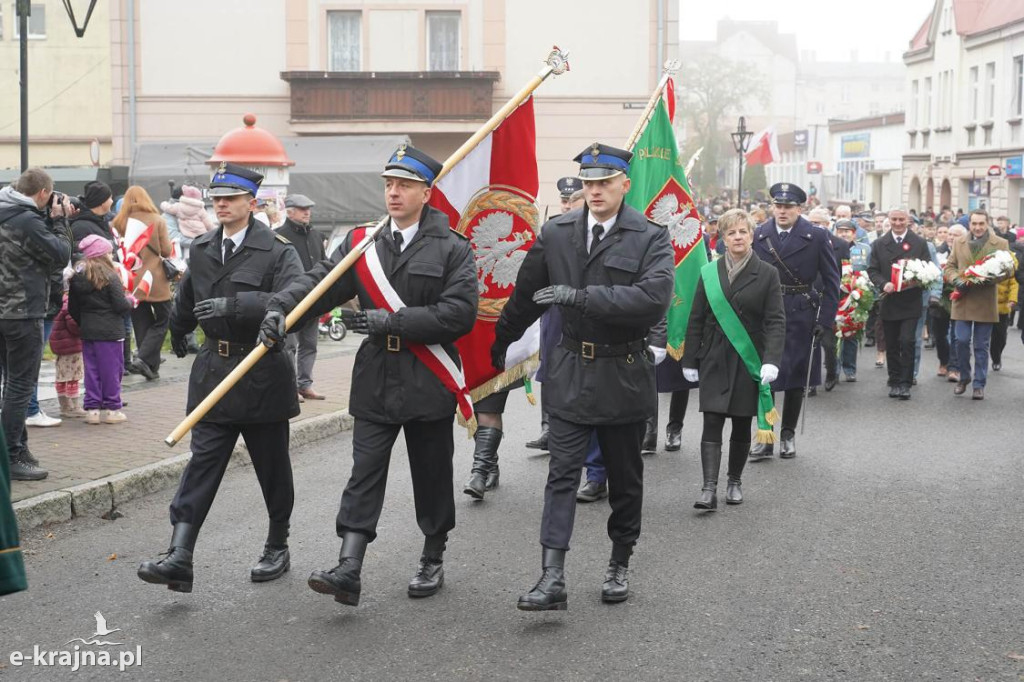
(100, 498)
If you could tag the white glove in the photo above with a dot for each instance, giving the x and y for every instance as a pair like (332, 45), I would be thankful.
(658, 353)
(769, 373)
(691, 375)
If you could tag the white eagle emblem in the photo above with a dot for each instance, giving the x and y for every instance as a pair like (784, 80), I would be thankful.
(682, 229)
(495, 257)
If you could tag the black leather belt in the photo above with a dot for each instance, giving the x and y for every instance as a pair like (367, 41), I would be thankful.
(590, 350)
(390, 342)
(796, 288)
(228, 349)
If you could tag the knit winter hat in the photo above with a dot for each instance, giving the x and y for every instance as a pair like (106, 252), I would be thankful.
(191, 192)
(94, 246)
(96, 193)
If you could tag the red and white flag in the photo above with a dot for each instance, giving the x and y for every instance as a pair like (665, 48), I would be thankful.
(490, 197)
(144, 285)
(764, 148)
(136, 236)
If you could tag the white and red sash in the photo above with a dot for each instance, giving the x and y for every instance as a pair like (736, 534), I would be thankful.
(383, 295)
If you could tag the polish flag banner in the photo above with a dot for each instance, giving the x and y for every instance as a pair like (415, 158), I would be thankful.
(145, 284)
(490, 198)
(764, 148)
(136, 235)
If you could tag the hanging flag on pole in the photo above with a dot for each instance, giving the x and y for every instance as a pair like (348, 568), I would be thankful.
(490, 199)
(764, 148)
(661, 192)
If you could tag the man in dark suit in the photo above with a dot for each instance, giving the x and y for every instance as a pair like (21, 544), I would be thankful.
(610, 270)
(809, 274)
(899, 310)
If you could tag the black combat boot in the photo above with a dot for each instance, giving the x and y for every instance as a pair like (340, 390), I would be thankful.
(541, 443)
(737, 460)
(343, 580)
(429, 576)
(616, 580)
(673, 437)
(275, 561)
(175, 569)
(549, 593)
(650, 443)
(787, 444)
(760, 451)
(485, 462)
(711, 462)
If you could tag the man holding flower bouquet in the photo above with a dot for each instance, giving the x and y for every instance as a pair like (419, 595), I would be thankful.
(977, 262)
(898, 268)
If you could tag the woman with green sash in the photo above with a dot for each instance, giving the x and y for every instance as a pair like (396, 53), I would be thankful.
(734, 343)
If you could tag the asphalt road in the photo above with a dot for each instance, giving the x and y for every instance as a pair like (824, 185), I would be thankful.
(889, 549)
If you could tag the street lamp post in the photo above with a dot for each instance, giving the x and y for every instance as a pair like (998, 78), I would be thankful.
(740, 140)
(24, 9)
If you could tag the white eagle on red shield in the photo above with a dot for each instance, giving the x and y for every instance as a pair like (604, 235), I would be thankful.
(673, 208)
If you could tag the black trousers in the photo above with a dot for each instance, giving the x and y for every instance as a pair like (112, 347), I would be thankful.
(830, 351)
(21, 350)
(794, 400)
(150, 321)
(620, 445)
(677, 408)
(900, 341)
(211, 451)
(999, 337)
(940, 334)
(431, 446)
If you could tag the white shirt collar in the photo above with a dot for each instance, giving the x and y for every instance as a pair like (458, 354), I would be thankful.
(407, 233)
(237, 238)
(591, 221)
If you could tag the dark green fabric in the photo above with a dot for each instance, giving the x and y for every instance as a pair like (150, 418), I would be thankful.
(12, 565)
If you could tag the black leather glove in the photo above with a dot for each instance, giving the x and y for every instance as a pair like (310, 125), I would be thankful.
(498, 351)
(820, 331)
(179, 344)
(375, 321)
(216, 307)
(560, 294)
(272, 329)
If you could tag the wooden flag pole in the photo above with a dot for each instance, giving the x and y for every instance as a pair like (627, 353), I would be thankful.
(556, 63)
(671, 66)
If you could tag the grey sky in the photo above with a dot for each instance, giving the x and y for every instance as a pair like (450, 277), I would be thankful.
(831, 28)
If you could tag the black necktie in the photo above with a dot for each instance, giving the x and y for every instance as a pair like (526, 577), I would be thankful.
(229, 248)
(397, 235)
(598, 230)
(899, 240)
(783, 235)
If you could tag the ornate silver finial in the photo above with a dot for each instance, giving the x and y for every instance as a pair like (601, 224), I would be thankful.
(671, 67)
(558, 60)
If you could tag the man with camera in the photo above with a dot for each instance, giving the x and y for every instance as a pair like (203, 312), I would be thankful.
(34, 239)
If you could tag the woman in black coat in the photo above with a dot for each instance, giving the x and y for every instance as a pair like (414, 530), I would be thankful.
(727, 388)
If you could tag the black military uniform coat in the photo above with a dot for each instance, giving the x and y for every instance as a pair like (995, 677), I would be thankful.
(436, 278)
(807, 255)
(262, 265)
(628, 277)
(906, 304)
(726, 386)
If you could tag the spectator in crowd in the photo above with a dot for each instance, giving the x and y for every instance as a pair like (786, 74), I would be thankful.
(1006, 300)
(66, 344)
(187, 218)
(34, 239)
(97, 302)
(952, 366)
(151, 317)
(97, 201)
(859, 255)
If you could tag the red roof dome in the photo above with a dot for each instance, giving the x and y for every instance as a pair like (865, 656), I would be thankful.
(250, 145)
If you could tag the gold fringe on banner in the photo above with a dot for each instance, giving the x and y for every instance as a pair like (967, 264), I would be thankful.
(772, 416)
(503, 380)
(676, 353)
(765, 437)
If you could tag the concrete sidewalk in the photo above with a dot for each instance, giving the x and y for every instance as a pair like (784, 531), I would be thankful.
(93, 468)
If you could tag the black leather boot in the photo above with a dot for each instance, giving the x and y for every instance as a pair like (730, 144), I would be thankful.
(343, 580)
(616, 577)
(673, 437)
(541, 443)
(710, 462)
(485, 461)
(275, 561)
(22, 468)
(650, 443)
(737, 460)
(549, 593)
(787, 444)
(175, 569)
(761, 451)
(429, 576)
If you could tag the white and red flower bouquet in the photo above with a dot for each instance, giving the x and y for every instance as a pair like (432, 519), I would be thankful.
(856, 297)
(914, 272)
(994, 266)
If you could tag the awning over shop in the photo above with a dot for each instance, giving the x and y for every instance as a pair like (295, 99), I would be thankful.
(340, 173)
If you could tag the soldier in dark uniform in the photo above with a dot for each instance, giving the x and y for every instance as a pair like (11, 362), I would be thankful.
(551, 322)
(610, 272)
(233, 272)
(432, 270)
(807, 267)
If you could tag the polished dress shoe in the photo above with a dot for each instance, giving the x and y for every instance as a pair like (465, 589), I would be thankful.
(485, 461)
(549, 593)
(541, 442)
(429, 576)
(711, 463)
(830, 382)
(996, 366)
(276, 560)
(760, 451)
(592, 491)
(343, 581)
(960, 388)
(673, 438)
(904, 392)
(310, 394)
(175, 569)
(894, 391)
(616, 583)
(787, 446)
(978, 394)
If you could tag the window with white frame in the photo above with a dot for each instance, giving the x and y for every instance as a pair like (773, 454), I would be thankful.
(973, 94)
(36, 22)
(344, 40)
(990, 90)
(1017, 86)
(443, 38)
(928, 102)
